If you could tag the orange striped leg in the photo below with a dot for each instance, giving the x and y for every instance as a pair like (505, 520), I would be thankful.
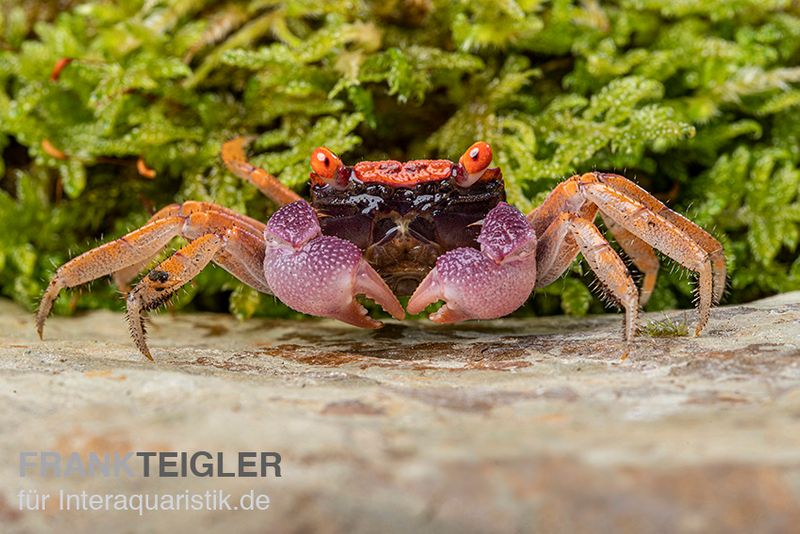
(123, 277)
(555, 255)
(629, 207)
(247, 252)
(235, 159)
(243, 255)
(610, 270)
(642, 255)
(564, 198)
(165, 279)
(638, 218)
(133, 248)
(601, 257)
(557, 248)
(713, 247)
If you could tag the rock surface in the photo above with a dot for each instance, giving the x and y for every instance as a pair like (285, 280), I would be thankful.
(515, 425)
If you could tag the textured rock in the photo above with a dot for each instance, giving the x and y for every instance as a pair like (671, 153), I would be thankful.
(542, 424)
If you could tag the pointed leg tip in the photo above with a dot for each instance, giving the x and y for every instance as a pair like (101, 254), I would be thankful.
(700, 327)
(135, 321)
(46, 304)
(144, 350)
(141, 344)
(40, 327)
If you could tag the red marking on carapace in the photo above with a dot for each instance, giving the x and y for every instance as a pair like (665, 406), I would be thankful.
(406, 174)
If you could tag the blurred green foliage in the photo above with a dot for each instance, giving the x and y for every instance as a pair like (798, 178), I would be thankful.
(696, 100)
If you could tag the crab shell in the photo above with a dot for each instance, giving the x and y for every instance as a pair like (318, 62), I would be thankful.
(403, 216)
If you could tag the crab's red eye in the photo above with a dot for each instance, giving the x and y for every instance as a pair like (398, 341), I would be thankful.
(475, 161)
(325, 163)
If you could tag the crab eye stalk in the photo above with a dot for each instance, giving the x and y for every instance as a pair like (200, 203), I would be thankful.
(327, 167)
(474, 161)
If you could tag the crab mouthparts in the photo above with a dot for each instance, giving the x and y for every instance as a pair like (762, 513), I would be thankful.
(404, 282)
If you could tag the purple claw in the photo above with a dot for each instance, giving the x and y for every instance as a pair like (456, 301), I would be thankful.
(321, 275)
(487, 283)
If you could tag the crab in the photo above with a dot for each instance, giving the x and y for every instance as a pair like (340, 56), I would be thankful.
(432, 229)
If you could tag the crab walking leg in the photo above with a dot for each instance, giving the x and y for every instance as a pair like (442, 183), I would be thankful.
(123, 277)
(602, 258)
(246, 246)
(564, 198)
(235, 159)
(628, 206)
(713, 247)
(130, 249)
(486, 283)
(568, 196)
(243, 256)
(164, 280)
(556, 251)
(642, 255)
(556, 248)
(610, 270)
(654, 229)
(321, 275)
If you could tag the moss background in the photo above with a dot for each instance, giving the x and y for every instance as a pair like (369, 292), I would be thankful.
(697, 100)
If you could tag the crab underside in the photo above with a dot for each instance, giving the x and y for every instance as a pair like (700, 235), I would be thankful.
(437, 230)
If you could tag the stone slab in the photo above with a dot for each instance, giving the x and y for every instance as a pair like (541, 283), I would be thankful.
(544, 424)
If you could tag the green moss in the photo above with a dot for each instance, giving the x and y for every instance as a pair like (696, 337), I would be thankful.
(667, 327)
(698, 101)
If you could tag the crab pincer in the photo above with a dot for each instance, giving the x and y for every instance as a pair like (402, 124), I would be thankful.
(486, 283)
(321, 275)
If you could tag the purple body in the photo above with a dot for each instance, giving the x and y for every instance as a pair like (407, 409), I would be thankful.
(433, 240)
(403, 230)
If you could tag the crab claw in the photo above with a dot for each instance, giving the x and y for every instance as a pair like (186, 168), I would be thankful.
(487, 283)
(321, 275)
